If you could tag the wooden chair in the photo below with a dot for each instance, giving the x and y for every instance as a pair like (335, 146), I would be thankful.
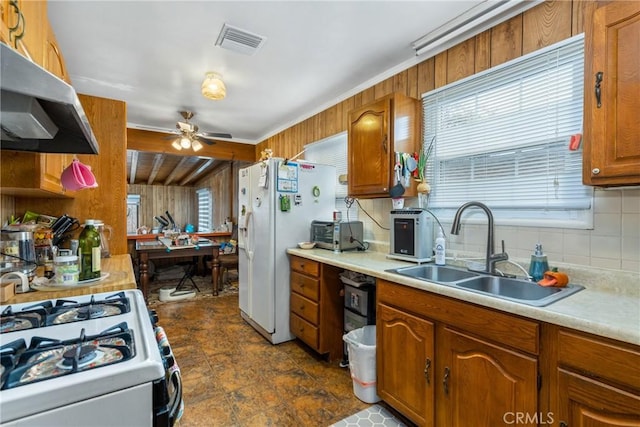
(227, 262)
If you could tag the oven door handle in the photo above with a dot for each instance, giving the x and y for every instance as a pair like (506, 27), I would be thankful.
(176, 402)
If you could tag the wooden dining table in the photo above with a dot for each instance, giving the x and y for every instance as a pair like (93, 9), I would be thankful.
(156, 249)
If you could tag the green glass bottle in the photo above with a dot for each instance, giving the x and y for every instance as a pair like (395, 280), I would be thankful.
(89, 251)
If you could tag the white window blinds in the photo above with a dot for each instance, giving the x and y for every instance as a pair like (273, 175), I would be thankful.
(205, 209)
(502, 136)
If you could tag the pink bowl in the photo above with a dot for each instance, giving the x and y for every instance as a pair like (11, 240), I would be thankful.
(78, 176)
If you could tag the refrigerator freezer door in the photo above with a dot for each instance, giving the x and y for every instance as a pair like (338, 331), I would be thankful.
(261, 241)
(243, 256)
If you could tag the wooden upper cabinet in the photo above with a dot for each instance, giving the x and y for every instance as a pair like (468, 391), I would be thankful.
(26, 23)
(25, 27)
(376, 131)
(33, 174)
(612, 96)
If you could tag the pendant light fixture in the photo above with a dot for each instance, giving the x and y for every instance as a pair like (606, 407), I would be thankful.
(213, 87)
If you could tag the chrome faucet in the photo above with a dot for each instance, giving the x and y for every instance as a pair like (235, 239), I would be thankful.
(492, 258)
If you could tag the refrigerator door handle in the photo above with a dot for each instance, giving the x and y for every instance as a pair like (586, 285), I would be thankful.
(249, 234)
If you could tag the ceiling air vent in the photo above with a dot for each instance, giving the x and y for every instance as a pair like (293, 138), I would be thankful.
(238, 40)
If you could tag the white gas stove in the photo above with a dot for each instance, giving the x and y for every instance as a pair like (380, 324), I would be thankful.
(90, 360)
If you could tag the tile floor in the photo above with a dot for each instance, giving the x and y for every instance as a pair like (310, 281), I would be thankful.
(232, 376)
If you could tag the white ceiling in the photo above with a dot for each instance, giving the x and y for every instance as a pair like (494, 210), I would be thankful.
(153, 55)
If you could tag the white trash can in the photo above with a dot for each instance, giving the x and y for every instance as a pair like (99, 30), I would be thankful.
(361, 347)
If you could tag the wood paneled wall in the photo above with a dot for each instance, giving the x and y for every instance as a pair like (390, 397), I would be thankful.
(182, 202)
(541, 26)
(155, 200)
(223, 183)
(108, 202)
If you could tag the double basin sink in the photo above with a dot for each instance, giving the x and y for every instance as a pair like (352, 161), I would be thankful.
(517, 290)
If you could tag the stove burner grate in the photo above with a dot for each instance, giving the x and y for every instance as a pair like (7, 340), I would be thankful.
(67, 311)
(50, 358)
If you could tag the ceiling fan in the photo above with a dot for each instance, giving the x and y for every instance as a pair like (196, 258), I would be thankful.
(190, 137)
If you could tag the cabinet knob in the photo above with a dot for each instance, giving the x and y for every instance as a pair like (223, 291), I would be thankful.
(563, 424)
(595, 171)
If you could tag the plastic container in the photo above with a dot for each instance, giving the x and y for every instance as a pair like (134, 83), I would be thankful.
(66, 269)
(361, 345)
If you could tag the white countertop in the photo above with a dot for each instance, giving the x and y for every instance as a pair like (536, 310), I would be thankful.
(605, 311)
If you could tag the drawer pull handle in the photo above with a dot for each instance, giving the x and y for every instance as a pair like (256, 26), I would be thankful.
(427, 368)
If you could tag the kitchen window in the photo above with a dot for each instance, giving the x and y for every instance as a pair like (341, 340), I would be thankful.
(333, 151)
(205, 208)
(503, 137)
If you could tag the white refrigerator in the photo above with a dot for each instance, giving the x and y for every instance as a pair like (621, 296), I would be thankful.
(276, 203)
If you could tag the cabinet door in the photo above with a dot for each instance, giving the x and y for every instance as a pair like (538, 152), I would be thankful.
(369, 150)
(405, 364)
(586, 402)
(52, 167)
(612, 138)
(483, 384)
(53, 57)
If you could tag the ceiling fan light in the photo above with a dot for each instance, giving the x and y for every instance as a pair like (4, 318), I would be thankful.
(176, 144)
(185, 142)
(213, 87)
(196, 145)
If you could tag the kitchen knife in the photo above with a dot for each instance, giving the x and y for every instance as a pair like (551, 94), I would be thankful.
(163, 222)
(173, 223)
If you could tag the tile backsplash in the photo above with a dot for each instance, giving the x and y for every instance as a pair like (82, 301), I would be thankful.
(612, 244)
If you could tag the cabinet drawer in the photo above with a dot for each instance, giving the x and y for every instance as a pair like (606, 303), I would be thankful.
(605, 358)
(306, 266)
(304, 308)
(304, 330)
(305, 285)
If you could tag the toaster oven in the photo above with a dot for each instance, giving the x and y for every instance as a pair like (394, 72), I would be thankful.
(337, 236)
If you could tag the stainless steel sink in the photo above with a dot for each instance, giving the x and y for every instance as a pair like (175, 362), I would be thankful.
(516, 290)
(435, 273)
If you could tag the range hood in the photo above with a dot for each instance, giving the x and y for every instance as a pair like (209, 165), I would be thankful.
(40, 112)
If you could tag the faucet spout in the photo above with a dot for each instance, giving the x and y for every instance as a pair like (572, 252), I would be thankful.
(491, 257)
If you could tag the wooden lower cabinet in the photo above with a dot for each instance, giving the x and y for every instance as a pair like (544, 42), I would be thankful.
(598, 381)
(588, 402)
(317, 306)
(484, 383)
(408, 343)
(443, 362)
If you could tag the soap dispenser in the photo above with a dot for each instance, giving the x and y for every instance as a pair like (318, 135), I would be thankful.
(538, 264)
